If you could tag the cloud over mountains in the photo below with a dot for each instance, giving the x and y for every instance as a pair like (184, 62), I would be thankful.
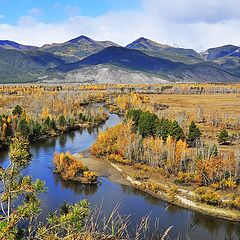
(199, 24)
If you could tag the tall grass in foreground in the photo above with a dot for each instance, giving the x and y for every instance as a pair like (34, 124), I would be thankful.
(117, 227)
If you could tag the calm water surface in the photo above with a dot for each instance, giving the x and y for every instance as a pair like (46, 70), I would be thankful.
(109, 194)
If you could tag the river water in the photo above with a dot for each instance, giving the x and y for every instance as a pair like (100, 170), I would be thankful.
(108, 194)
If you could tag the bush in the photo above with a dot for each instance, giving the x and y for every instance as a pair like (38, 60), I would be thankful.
(140, 175)
(208, 196)
(89, 177)
(68, 166)
(119, 159)
(234, 203)
(154, 187)
(223, 137)
(185, 177)
(224, 184)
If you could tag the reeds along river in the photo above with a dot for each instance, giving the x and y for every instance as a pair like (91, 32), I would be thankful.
(109, 194)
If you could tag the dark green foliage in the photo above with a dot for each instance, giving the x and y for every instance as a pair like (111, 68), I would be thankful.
(23, 128)
(162, 128)
(17, 111)
(70, 122)
(35, 129)
(146, 124)
(223, 137)
(135, 115)
(52, 124)
(46, 122)
(176, 131)
(194, 134)
(62, 121)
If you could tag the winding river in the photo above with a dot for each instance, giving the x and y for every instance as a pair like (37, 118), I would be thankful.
(109, 194)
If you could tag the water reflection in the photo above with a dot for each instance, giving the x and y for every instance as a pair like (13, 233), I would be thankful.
(133, 202)
(77, 188)
(63, 139)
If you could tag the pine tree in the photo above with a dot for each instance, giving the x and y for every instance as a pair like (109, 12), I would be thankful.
(223, 137)
(194, 134)
(176, 131)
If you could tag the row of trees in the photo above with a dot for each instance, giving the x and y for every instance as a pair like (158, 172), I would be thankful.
(20, 122)
(148, 124)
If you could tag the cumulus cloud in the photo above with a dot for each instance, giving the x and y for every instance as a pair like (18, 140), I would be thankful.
(197, 24)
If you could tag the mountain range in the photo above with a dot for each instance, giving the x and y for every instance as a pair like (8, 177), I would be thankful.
(85, 60)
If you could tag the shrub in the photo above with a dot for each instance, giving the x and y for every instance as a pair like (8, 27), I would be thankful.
(140, 175)
(119, 159)
(89, 177)
(172, 192)
(154, 187)
(185, 177)
(68, 166)
(208, 196)
(234, 203)
(224, 184)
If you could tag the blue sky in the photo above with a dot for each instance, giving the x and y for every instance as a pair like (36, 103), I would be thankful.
(54, 11)
(197, 24)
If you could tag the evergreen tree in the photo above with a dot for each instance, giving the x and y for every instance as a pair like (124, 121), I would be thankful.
(52, 124)
(147, 122)
(223, 137)
(135, 115)
(176, 131)
(162, 128)
(194, 134)
(62, 121)
(23, 128)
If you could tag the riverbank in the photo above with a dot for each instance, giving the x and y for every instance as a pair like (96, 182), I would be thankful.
(102, 168)
(64, 130)
(177, 196)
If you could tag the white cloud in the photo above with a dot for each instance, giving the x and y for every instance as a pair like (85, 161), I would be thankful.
(195, 24)
(35, 12)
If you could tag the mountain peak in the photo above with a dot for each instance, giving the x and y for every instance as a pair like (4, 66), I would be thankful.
(146, 44)
(80, 38)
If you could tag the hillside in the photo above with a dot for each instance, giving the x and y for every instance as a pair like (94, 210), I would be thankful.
(225, 57)
(188, 56)
(142, 61)
(19, 66)
(138, 61)
(13, 45)
(77, 49)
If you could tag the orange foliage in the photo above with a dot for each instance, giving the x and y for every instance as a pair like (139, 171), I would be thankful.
(68, 166)
(114, 141)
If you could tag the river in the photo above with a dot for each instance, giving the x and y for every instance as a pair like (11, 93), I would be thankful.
(109, 194)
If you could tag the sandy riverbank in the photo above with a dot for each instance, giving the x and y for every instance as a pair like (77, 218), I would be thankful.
(102, 168)
(183, 198)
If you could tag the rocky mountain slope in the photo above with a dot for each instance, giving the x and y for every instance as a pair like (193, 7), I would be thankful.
(142, 61)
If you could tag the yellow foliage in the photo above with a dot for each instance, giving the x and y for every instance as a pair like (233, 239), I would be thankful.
(68, 166)
(207, 195)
